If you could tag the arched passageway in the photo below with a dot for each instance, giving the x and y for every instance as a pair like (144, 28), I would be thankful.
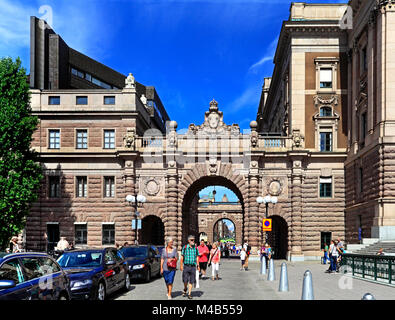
(152, 231)
(201, 217)
(224, 230)
(278, 238)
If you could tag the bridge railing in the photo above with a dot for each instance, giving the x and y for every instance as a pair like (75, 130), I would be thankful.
(372, 267)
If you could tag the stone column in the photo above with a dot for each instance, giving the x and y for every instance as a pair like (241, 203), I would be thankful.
(172, 228)
(371, 72)
(296, 211)
(130, 188)
(253, 210)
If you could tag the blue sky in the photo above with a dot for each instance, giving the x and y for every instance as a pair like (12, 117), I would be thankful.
(191, 50)
(220, 193)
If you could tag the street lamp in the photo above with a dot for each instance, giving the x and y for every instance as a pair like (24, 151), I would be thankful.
(266, 200)
(135, 201)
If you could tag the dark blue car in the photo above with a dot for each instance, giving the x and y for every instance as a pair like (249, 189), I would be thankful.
(32, 276)
(95, 273)
(143, 261)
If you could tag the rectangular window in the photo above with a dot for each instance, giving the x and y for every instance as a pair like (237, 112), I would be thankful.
(109, 187)
(82, 139)
(363, 125)
(110, 100)
(54, 139)
(326, 238)
(326, 78)
(74, 71)
(54, 187)
(53, 101)
(108, 234)
(325, 187)
(81, 234)
(88, 77)
(109, 139)
(82, 187)
(82, 100)
(326, 141)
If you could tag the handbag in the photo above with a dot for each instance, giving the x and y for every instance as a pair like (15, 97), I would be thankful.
(171, 264)
(209, 263)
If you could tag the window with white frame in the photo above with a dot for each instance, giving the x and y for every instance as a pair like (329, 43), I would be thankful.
(108, 234)
(82, 187)
(326, 78)
(109, 139)
(326, 187)
(326, 112)
(82, 139)
(109, 187)
(326, 139)
(54, 139)
(81, 234)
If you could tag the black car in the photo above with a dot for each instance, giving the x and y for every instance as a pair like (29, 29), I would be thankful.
(95, 273)
(143, 261)
(32, 276)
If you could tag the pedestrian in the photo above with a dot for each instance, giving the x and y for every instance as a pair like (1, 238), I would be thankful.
(188, 264)
(126, 244)
(248, 252)
(203, 258)
(209, 246)
(381, 252)
(243, 256)
(326, 257)
(14, 247)
(168, 265)
(215, 258)
(62, 244)
(333, 253)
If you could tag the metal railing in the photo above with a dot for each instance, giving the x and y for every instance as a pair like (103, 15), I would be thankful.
(372, 267)
(205, 204)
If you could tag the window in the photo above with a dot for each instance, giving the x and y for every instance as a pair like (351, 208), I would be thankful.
(109, 139)
(326, 112)
(363, 125)
(82, 187)
(108, 234)
(38, 267)
(82, 100)
(81, 234)
(88, 77)
(54, 139)
(74, 71)
(54, 187)
(82, 139)
(364, 60)
(54, 101)
(325, 187)
(361, 180)
(326, 238)
(109, 100)
(11, 270)
(325, 78)
(326, 141)
(109, 187)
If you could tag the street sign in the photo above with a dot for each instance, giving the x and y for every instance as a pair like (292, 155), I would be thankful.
(267, 225)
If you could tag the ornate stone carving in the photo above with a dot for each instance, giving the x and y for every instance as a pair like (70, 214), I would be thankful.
(213, 124)
(130, 82)
(144, 100)
(319, 100)
(129, 138)
(212, 166)
(275, 188)
(172, 138)
(152, 187)
(254, 134)
(297, 139)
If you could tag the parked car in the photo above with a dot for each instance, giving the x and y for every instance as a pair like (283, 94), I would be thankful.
(32, 276)
(95, 273)
(143, 261)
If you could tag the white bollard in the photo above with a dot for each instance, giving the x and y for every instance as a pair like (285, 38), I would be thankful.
(308, 292)
(263, 265)
(283, 287)
(368, 296)
(271, 276)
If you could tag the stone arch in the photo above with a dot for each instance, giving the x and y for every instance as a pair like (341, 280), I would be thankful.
(200, 177)
(237, 224)
(152, 231)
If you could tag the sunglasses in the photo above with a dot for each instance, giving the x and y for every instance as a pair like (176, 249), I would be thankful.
(193, 240)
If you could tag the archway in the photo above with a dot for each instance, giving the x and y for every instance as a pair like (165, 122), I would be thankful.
(224, 230)
(278, 237)
(194, 224)
(152, 231)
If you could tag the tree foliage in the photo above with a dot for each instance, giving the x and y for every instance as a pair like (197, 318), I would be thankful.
(20, 172)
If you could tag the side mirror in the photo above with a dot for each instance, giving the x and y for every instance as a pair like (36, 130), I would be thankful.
(7, 284)
(110, 263)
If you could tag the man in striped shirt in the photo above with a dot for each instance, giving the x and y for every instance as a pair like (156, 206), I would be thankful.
(188, 264)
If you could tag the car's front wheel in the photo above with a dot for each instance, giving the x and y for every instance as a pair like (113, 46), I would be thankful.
(148, 276)
(101, 292)
(127, 282)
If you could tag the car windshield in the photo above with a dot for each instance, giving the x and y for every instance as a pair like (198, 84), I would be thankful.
(81, 259)
(138, 252)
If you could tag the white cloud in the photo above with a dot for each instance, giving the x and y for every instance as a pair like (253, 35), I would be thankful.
(268, 56)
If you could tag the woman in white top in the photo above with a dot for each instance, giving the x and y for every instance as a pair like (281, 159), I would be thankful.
(243, 256)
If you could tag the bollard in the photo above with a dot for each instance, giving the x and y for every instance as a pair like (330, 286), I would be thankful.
(271, 275)
(368, 296)
(263, 265)
(283, 287)
(308, 293)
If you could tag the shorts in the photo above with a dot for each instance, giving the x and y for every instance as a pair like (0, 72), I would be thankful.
(203, 265)
(189, 274)
(243, 262)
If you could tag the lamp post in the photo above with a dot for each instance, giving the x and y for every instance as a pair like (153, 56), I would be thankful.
(266, 200)
(135, 200)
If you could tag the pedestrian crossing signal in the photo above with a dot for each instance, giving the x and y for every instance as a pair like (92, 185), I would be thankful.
(267, 225)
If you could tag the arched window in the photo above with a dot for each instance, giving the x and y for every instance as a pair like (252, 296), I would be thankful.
(326, 112)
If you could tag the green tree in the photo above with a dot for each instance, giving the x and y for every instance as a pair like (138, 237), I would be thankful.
(20, 172)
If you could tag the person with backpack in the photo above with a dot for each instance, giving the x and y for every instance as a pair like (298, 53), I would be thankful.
(215, 258)
(188, 264)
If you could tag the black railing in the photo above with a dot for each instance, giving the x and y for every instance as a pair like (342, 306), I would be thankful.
(372, 267)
